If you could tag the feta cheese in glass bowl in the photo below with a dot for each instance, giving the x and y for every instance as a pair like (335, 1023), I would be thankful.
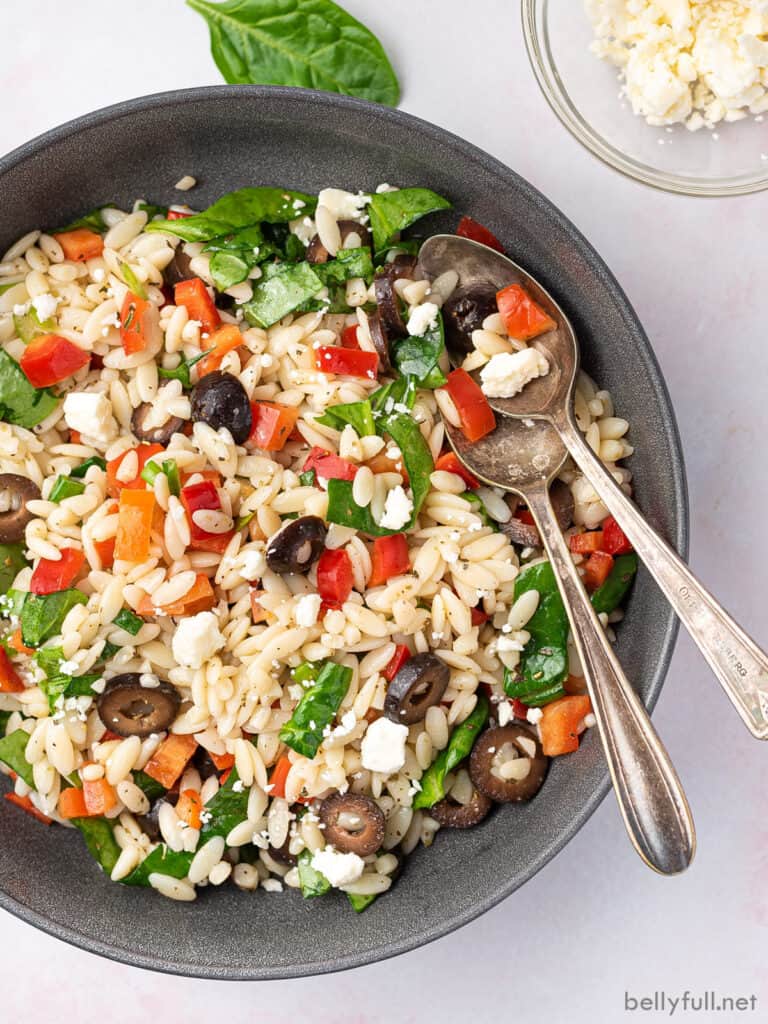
(673, 93)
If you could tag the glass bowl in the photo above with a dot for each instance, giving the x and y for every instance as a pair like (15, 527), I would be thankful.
(585, 93)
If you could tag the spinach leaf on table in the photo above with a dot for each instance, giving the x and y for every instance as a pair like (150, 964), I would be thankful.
(459, 747)
(20, 402)
(236, 210)
(310, 43)
(391, 212)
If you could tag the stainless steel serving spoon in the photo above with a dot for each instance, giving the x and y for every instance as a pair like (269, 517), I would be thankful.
(737, 661)
(524, 460)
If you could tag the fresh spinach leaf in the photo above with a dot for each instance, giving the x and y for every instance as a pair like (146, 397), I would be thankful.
(61, 686)
(43, 614)
(99, 836)
(543, 667)
(161, 860)
(360, 903)
(4, 717)
(303, 732)
(418, 356)
(20, 402)
(226, 808)
(92, 220)
(459, 747)
(397, 395)
(609, 596)
(151, 788)
(65, 487)
(235, 210)
(349, 263)
(391, 212)
(359, 414)
(12, 749)
(308, 479)
(181, 372)
(228, 269)
(29, 325)
(129, 621)
(80, 471)
(12, 561)
(311, 881)
(152, 210)
(283, 290)
(314, 44)
(49, 659)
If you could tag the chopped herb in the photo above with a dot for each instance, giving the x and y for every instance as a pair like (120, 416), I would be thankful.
(181, 372)
(152, 470)
(136, 286)
(65, 487)
(308, 479)
(62, 687)
(80, 471)
(129, 621)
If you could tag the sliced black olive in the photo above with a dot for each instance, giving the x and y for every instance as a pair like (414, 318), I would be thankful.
(15, 492)
(464, 312)
(155, 435)
(525, 534)
(150, 822)
(282, 854)
(130, 709)
(454, 815)
(353, 823)
(203, 761)
(419, 684)
(220, 400)
(179, 269)
(296, 545)
(380, 340)
(387, 299)
(500, 746)
(316, 251)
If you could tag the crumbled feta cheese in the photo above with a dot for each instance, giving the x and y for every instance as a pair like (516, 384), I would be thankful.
(197, 639)
(422, 318)
(397, 509)
(343, 205)
(307, 609)
(383, 746)
(21, 309)
(68, 668)
(534, 715)
(338, 868)
(507, 373)
(504, 712)
(90, 413)
(254, 564)
(45, 305)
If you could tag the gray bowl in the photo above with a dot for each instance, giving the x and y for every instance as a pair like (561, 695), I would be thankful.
(228, 137)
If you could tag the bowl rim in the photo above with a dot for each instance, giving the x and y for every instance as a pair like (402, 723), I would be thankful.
(533, 14)
(450, 922)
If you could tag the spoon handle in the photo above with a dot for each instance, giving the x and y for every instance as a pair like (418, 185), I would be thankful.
(737, 661)
(649, 793)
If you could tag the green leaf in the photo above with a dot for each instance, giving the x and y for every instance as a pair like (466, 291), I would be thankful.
(61, 686)
(306, 672)
(543, 666)
(228, 269)
(459, 747)
(311, 881)
(12, 561)
(12, 603)
(181, 372)
(349, 263)
(12, 749)
(392, 212)
(161, 860)
(308, 479)
(227, 808)
(303, 732)
(29, 325)
(276, 295)
(359, 414)
(4, 716)
(65, 487)
(135, 285)
(397, 395)
(153, 210)
(609, 596)
(92, 220)
(99, 836)
(129, 621)
(21, 403)
(418, 356)
(49, 659)
(360, 903)
(43, 614)
(151, 788)
(478, 507)
(108, 651)
(314, 44)
(95, 460)
(235, 210)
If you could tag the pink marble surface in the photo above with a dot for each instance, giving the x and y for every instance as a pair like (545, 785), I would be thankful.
(594, 923)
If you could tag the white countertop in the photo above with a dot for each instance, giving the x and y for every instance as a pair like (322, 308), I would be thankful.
(594, 923)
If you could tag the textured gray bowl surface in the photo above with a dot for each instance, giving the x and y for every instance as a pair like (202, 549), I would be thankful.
(229, 137)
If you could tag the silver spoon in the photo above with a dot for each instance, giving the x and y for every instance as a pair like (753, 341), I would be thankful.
(524, 460)
(738, 663)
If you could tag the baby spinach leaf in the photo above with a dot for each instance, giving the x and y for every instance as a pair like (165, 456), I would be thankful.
(20, 402)
(359, 414)
(12, 561)
(92, 220)
(609, 596)
(161, 860)
(49, 659)
(99, 836)
(152, 210)
(543, 666)
(418, 356)
(360, 903)
(12, 749)
(4, 716)
(349, 263)
(308, 479)
(397, 395)
(151, 788)
(235, 210)
(459, 747)
(311, 881)
(129, 621)
(43, 614)
(303, 732)
(226, 808)
(280, 292)
(57, 686)
(310, 43)
(391, 212)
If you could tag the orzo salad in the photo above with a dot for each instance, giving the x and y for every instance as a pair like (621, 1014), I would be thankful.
(259, 624)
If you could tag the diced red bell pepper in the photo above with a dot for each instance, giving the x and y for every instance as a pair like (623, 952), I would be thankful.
(559, 726)
(328, 466)
(469, 228)
(349, 337)
(223, 340)
(615, 541)
(99, 797)
(389, 558)
(194, 498)
(519, 710)
(396, 662)
(144, 453)
(348, 361)
(10, 681)
(334, 577)
(597, 570)
(524, 516)
(523, 318)
(194, 295)
(279, 776)
(51, 359)
(50, 576)
(586, 543)
(179, 214)
(138, 321)
(475, 413)
(478, 616)
(80, 244)
(451, 463)
(271, 425)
